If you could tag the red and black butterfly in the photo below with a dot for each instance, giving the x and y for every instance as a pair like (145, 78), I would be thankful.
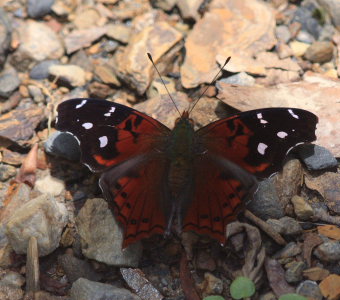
(156, 178)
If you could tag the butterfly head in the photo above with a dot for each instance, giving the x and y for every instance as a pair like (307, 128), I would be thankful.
(184, 120)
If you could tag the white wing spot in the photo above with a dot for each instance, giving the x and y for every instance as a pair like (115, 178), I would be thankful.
(77, 120)
(82, 103)
(112, 110)
(263, 121)
(103, 141)
(282, 134)
(87, 125)
(261, 148)
(293, 114)
(259, 116)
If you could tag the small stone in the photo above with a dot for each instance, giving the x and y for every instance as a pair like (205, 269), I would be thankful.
(8, 292)
(316, 157)
(189, 9)
(290, 250)
(39, 8)
(12, 278)
(282, 33)
(301, 208)
(103, 242)
(41, 217)
(211, 285)
(305, 37)
(291, 226)
(84, 289)
(266, 203)
(50, 185)
(64, 145)
(119, 32)
(9, 82)
(87, 18)
(41, 70)
(333, 8)
(242, 79)
(315, 274)
(69, 74)
(204, 261)
(298, 48)
(328, 251)
(294, 272)
(309, 289)
(36, 94)
(6, 172)
(330, 287)
(320, 52)
(107, 75)
(5, 36)
(268, 296)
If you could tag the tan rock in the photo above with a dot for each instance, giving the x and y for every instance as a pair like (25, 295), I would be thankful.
(302, 208)
(298, 48)
(330, 287)
(320, 52)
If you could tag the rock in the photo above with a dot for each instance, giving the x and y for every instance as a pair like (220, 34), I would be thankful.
(38, 8)
(266, 203)
(309, 289)
(69, 74)
(81, 59)
(333, 8)
(290, 250)
(12, 278)
(294, 271)
(36, 35)
(103, 242)
(76, 268)
(315, 273)
(320, 52)
(204, 261)
(41, 217)
(41, 70)
(8, 292)
(106, 74)
(36, 93)
(291, 226)
(298, 48)
(211, 285)
(5, 36)
(224, 22)
(119, 32)
(316, 157)
(87, 18)
(328, 251)
(304, 16)
(189, 9)
(84, 289)
(50, 185)
(282, 33)
(64, 145)
(241, 78)
(302, 208)
(6, 172)
(9, 82)
(133, 65)
(305, 37)
(330, 287)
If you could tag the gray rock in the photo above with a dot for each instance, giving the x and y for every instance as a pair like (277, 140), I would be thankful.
(41, 70)
(302, 208)
(42, 217)
(309, 289)
(294, 272)
(305, 37)
(8, 292)
(68, 74)
(316, 157)
(266, 203)
(291, 226)
(282, 33)
(12, 278)
(36, 93)
(76, 268)
(242, 79)
(84, 289)
(38, 8)
(9, 82)
(103, 242)
(333, 8)
(64, 145)
(5, 36)
(290, 250)
(6, 172)
(328, 251)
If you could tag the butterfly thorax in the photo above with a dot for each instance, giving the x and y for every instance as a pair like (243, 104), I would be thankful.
(180, 153)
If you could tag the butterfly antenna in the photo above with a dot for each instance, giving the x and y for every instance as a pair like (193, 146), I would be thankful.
(212, 81)
(154, 65)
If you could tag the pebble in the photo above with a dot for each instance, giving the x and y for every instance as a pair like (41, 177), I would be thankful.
(36, 93)
(291, 226)
(328, 251)
(266, 203)
(69, 74)
(298, 48)
(242, 79)
(84, 289)
(8, 292)
(9, 82)
(6, 172)
(42, 217)
(333, 8)
(309, 289)
(204, 261)
(315, 273)
(12, 278)
(294, 271)
(39, 8)
(303, 15)
(64, 145)
(290, 250)
(302, 208)
(41, 70)
(119, 32)
(305, 37)
(211, 285)
(50, 185)
(316, 157)
(5, 36)
(319, 52)
(282, 33)
(103, 242)
(330, 287)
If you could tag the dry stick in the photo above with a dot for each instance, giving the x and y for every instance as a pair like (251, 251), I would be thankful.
(265, 227)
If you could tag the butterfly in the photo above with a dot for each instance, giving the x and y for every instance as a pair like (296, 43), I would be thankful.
(157, 180)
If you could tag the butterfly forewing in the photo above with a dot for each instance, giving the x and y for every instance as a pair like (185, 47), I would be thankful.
(109, 133)
(259, 140)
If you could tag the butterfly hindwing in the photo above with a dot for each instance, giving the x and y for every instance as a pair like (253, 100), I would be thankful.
(258, 140)
(108, 132)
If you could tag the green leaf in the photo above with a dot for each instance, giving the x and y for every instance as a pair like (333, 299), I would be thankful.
(242, 287)
(214, 298)
(292, 297)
